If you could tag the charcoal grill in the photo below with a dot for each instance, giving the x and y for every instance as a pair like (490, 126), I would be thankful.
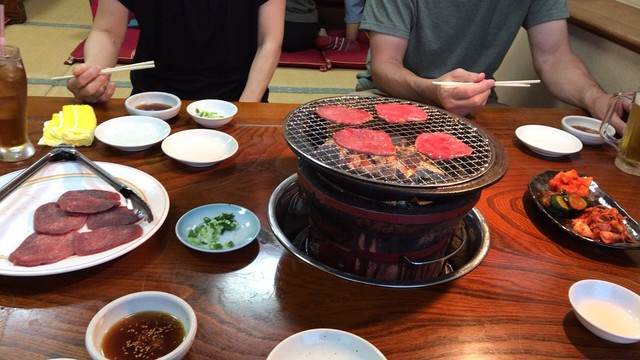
(310, 137)
(388, 219)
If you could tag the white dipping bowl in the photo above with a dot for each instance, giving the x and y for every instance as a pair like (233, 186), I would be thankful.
(200, 147)
(223, 108)
(139, 302)
(548, 141)
(585, 128)
(133, 132)
(134, 102)
(322, 344)
(610, 311)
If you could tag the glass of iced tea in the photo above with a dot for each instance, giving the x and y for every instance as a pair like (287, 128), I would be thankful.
(627, 105)
(14, 142)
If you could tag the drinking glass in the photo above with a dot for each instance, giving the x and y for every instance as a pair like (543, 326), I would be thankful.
(628, 157)
(14, 142)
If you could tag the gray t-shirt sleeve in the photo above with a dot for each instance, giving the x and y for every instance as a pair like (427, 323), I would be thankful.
(389, 17)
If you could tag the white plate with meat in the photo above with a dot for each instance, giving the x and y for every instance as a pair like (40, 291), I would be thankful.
(17, 211)
(539, 186)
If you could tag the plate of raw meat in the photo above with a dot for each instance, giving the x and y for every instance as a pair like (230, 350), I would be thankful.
(18, 216)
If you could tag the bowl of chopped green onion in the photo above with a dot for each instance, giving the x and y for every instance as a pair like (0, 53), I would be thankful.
(212, 113)
(218, 228)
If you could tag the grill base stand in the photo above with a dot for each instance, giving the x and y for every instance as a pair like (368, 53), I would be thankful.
(288, 218)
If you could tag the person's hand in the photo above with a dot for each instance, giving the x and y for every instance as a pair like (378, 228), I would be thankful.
(89, 85)
(622, 109)
(464, 99)
(601, 104)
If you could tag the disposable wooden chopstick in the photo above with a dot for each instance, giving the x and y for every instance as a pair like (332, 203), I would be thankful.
(136, 66)
(513, 83)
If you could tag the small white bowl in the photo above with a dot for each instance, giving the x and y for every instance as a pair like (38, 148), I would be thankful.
(321, 344)
(138, 302)
(585, 128)
(223, 108)
(610, 311)
(136, 104)
(133, 132)
(548, 141)
(200, 147)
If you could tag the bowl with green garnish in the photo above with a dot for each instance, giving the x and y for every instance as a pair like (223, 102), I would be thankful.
(218, 228)
(212, 113)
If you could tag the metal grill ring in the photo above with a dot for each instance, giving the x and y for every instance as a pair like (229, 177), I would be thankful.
(310, 136)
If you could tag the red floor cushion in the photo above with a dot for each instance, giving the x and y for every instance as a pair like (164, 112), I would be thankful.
(311, 58)
(349, 59)
(326, 59)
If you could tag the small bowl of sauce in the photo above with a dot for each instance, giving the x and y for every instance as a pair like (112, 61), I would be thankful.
(585, 128)
(153, 107)
(608, 310)
(143, 325)
(158, 104)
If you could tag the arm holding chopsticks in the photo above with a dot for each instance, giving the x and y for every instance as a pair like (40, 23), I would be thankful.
(415, 44)
(394, 78)
(101, 52)
(197, 51)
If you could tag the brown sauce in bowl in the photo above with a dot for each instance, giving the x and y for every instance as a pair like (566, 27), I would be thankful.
(143, 335)
(153, 106)
(586, 129)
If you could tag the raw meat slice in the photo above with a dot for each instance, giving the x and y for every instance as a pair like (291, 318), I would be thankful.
(88, 201)
(343, 115)
(50, 219)
(400, 113)
(120, 215)
(373, 142)
(40, 249)
(105, 238)
(441, 146)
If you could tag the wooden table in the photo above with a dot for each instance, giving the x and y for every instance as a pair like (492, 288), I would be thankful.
(514, 305)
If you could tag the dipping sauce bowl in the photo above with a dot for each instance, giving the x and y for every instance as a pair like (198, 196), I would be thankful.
(585, 128)
(158, 104)
(109, 317)
(608, 310)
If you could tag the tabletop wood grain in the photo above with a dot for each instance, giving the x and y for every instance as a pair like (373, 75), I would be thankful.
(514, 305)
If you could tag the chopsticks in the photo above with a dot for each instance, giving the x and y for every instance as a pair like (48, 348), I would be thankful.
(513, 83)
(136, 66)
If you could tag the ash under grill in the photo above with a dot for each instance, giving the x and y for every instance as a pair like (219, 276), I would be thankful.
(310, 136)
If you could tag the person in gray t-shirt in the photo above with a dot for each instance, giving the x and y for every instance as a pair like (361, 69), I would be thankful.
(415, 42)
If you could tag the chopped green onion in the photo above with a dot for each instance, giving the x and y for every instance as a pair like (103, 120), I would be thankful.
(208, 114)
(208, 233)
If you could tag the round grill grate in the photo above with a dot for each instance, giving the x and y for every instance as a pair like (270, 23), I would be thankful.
(310, 136)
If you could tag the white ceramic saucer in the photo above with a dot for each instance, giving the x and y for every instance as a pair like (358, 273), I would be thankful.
(133, 132)
(548, 141)
(200, 147)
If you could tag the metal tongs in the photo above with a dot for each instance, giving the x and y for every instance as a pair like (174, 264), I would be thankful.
(69, 153)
